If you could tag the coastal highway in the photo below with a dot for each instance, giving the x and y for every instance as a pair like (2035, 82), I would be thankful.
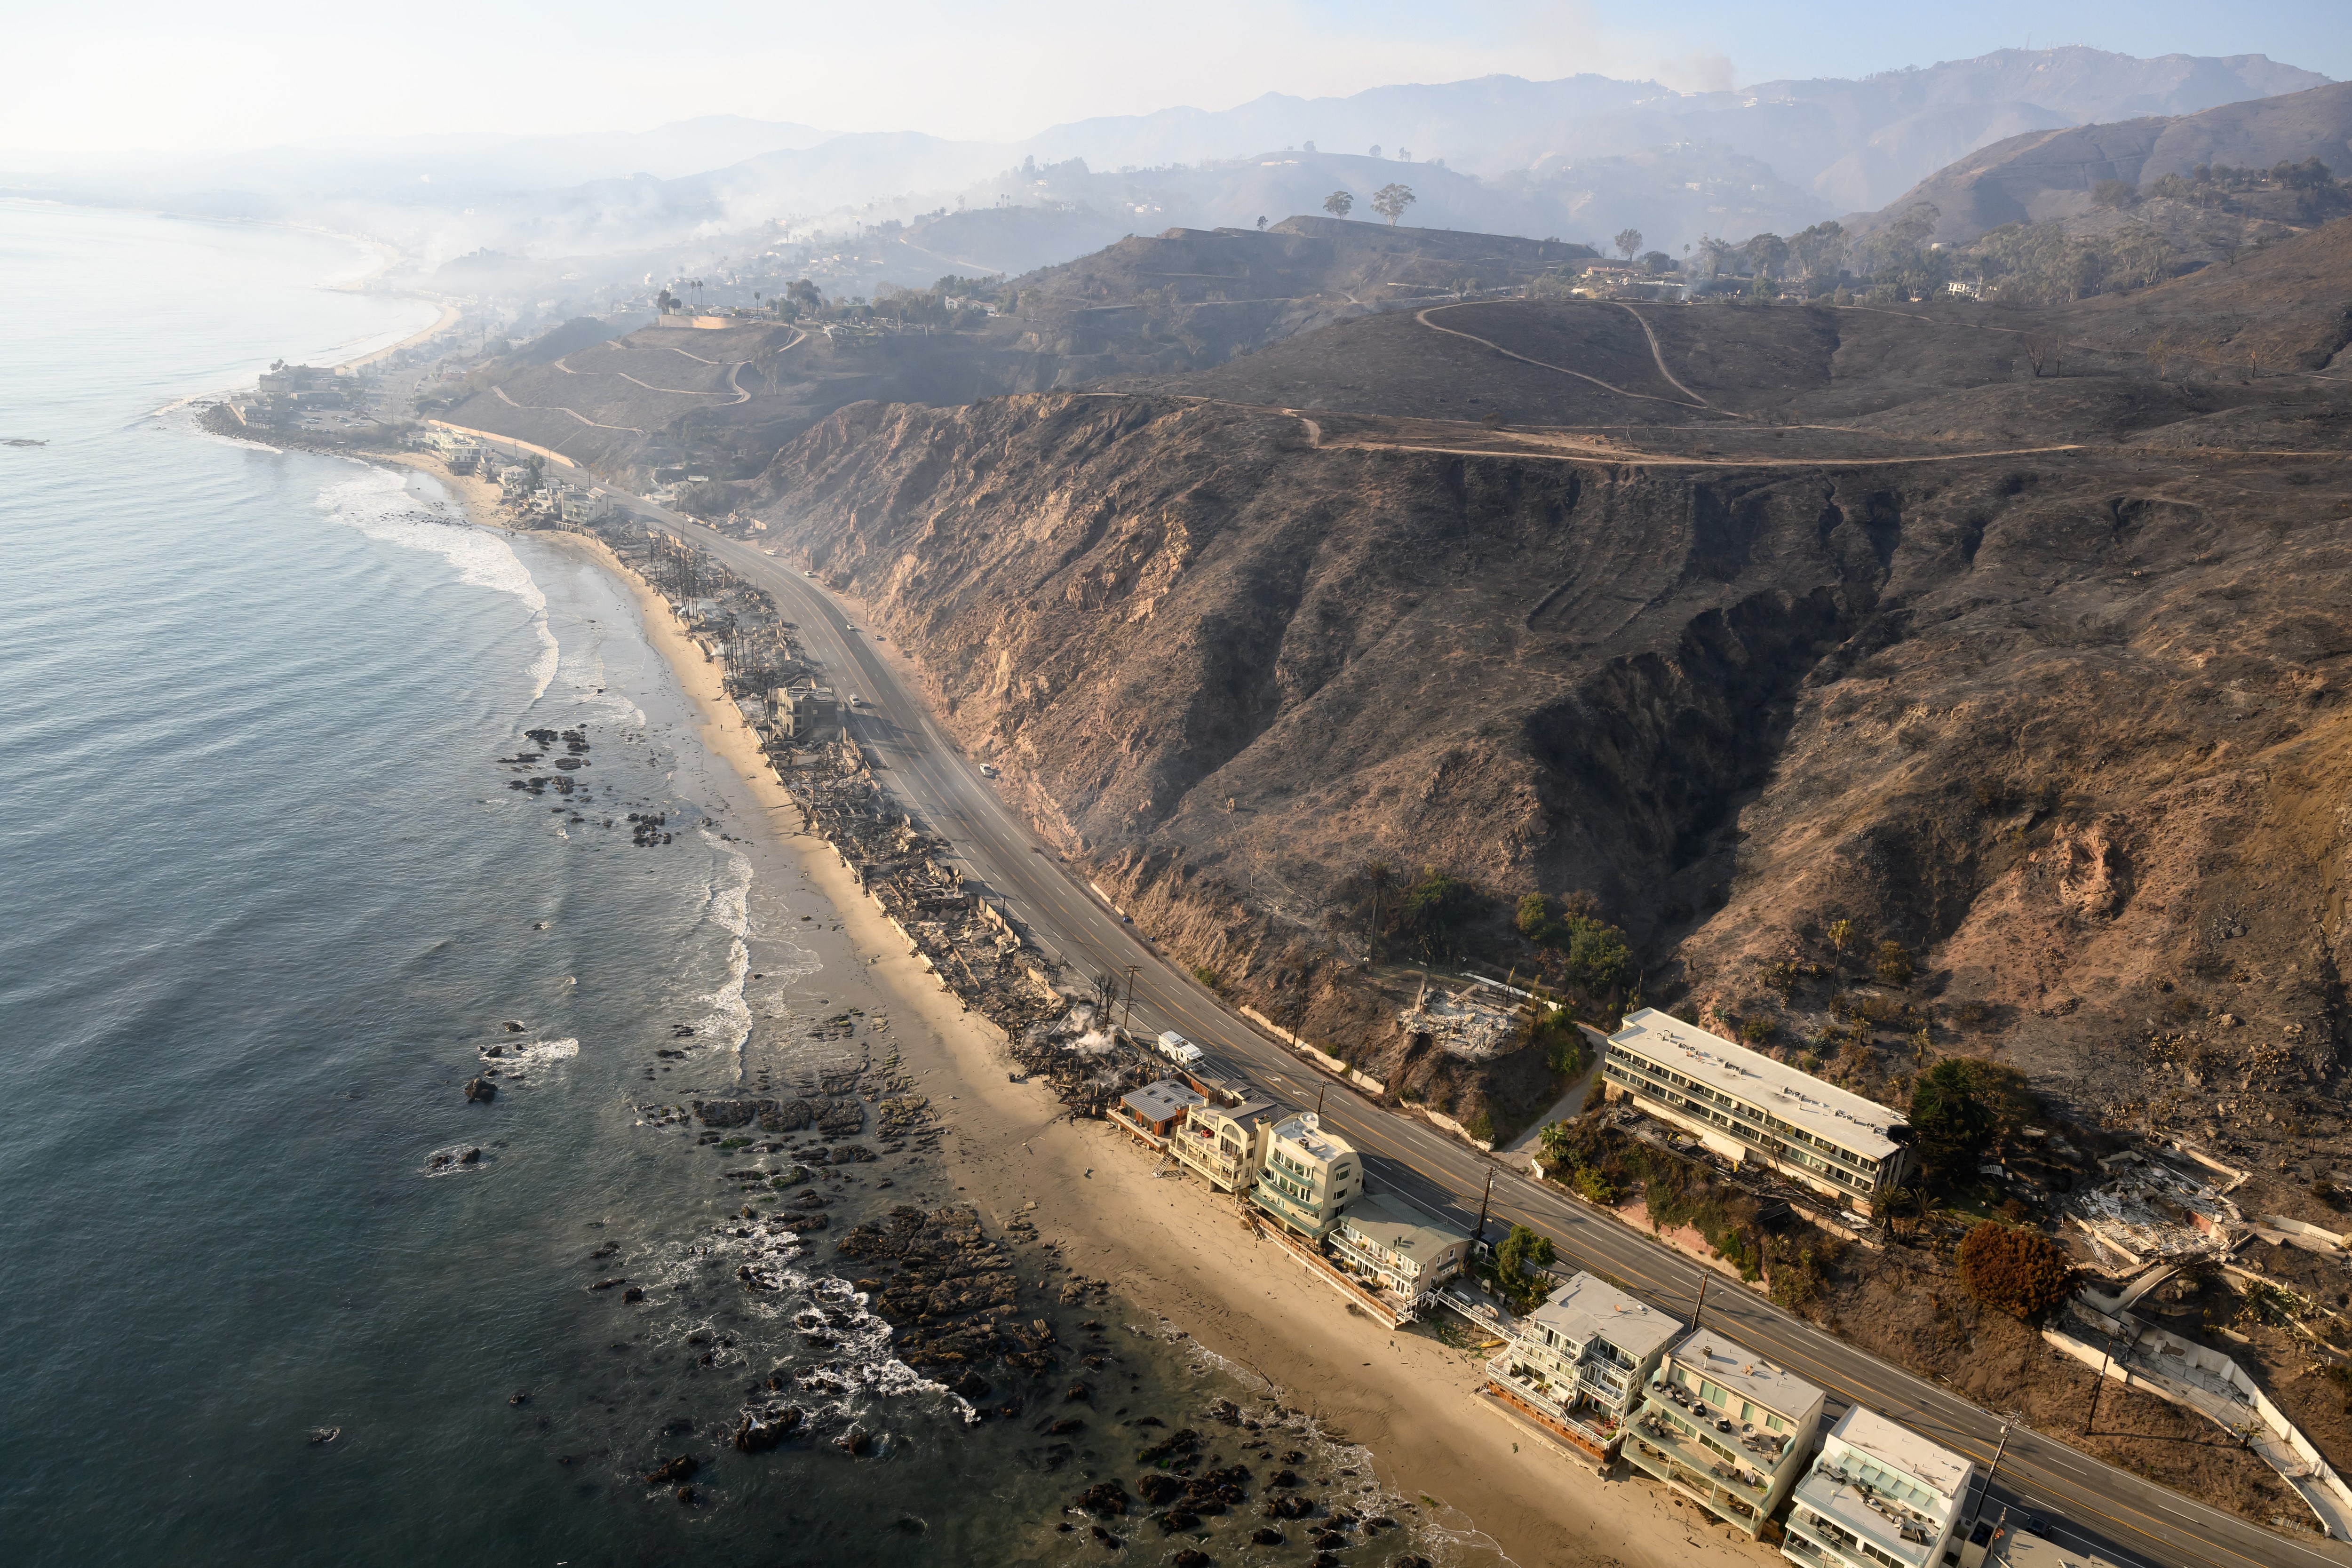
(2085, 1502)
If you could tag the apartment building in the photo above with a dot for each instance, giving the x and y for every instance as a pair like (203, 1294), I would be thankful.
(1750, 1108)
(1582, 1363)
(1397, 1249)
(1726, 1429)
(1309, 1175)
(1225, 1145)
(1880, 1496)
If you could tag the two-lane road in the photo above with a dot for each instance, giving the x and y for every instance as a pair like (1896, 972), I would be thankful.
(2087, 1503)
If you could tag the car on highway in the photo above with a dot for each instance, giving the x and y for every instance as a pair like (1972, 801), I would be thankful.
(856, 701)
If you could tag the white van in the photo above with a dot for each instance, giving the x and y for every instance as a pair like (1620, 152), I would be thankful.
(1179, 1050)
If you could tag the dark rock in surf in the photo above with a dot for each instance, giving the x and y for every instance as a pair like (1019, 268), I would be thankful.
(633, 1294)
(1107, 1499)
(730, 1112)
(763, 1428)
(482, 1089)
(672, 1471)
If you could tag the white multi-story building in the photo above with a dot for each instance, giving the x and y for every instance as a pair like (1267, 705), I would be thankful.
(1880, 1496)
(1309, 1175)
(1748, 1108)
(1726, 1429)
(1580, 1362)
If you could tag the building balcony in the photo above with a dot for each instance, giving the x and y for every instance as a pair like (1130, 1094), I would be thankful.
(1558, 1403)
(1855, 1526)
(1204, 1156)
(1734, 1490)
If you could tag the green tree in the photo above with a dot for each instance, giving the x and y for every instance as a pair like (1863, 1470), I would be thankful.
(1818, 251)
(1433, 911)
(1520, 1251)
(1954, 1111)
(1895, 963)
(2015, 1270)
(1766, 255)
(1534, 917)
(1627, 242)
(1338, 204)
(1391, 200)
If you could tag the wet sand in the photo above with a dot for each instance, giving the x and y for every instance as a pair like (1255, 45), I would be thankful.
(1171, 1246)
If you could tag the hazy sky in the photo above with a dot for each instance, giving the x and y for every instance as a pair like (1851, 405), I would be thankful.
(108, 76)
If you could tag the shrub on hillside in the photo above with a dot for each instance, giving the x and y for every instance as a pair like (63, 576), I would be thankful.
(2015, 1270)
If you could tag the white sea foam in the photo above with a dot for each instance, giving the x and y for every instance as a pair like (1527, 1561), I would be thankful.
(378, 504)
(727, 906)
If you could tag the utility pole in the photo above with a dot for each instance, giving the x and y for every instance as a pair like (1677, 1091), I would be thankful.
(1480, 1234)
(1985, 1496)
(1701, 1306)
(1128, 1017)
(2097, 1383)
(1318, 1101)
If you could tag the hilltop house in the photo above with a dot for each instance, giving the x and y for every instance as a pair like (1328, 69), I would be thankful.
(1724, 1427)
(1752, 1110)
(1881, 1496)
(1582, 1363)
(1309, 1176)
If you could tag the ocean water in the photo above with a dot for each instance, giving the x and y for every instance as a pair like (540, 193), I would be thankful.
(270, 903)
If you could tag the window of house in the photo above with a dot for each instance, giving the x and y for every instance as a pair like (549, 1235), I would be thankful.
(1774, 1424)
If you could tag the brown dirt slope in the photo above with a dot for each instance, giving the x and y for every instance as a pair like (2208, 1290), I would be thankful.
(2071, 727)
(2048, 173)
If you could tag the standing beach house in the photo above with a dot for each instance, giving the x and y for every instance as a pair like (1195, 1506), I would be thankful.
(1581, 1363)
(1309, 1176)
(1881, 1496)
(1726, 1429)
(1152, 1113)
(1225, 1145)
(1396, 1250)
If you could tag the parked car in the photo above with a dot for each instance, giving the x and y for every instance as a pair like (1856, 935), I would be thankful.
(988, 770)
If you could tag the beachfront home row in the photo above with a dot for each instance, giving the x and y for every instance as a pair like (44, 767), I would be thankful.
(1580, 1363)
(1753, 1110)
(1881, 1496)
(1727, 1428)
(1308, 1180)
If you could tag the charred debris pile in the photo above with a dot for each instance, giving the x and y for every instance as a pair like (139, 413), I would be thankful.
(979, 952)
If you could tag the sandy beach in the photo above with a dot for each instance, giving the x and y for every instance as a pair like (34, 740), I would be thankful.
(1173, 1248)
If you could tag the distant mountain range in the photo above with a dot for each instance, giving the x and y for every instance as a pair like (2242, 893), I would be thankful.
(2046, 175)
(1577, 159)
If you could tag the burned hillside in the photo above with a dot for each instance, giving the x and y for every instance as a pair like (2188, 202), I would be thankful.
(2035, 670)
